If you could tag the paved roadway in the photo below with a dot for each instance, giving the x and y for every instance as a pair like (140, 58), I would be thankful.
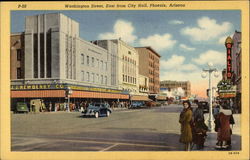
(154, 129)
(125, 130)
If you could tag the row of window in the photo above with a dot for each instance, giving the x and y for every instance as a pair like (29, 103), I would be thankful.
(151, 56)
(94, 78)
(128, 79)
(127, 59)
(128, 69)
(91, 61)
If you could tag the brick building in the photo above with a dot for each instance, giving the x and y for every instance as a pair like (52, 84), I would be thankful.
(173, 85)
(149, 66)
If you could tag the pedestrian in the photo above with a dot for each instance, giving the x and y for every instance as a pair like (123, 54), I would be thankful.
(50, 106)
(223, 125)
(200, 128)
(33, 106)
(185, 121)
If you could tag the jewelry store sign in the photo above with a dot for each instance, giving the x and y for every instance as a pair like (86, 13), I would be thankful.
(62, 86)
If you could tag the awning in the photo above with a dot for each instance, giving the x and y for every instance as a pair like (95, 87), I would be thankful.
(139, 98)
(61, 93)
(37, 93)
(161, 97)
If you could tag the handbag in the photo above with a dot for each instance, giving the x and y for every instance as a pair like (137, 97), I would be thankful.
(231, 120)
(217, 124)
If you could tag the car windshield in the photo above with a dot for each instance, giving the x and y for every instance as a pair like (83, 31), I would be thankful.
(97, 105)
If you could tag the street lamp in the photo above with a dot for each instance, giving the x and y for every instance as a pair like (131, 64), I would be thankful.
(210, 70)
(69, 92)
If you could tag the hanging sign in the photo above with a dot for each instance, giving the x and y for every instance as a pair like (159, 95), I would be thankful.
(229, 45)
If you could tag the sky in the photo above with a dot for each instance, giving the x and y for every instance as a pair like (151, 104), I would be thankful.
(186, 40)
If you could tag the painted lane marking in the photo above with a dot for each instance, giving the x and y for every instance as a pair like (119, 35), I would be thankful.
(108, 148)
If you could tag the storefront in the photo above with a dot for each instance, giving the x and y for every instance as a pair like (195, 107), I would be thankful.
(57, 94)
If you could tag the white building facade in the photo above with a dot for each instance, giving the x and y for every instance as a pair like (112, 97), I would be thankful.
(55, 52)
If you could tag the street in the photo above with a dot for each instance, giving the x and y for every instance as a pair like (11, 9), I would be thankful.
(155, 129)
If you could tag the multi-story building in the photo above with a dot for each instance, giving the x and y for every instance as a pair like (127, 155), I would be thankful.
(173, 85)
(57, 59)
(236, 67)
(124, 63)
(17, 56)
(149, 64)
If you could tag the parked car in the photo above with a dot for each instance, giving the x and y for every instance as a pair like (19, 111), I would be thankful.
(21, 107)
(97, 110)
(136, 104)
(204, 105)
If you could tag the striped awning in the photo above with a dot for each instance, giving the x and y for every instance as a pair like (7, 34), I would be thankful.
(61, 93)
(161, 97)
(139, 98)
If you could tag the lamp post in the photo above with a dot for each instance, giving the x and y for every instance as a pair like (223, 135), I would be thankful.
(69, 92)
(210, 70)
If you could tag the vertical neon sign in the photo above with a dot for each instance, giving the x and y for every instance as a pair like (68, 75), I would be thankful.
(229, 45)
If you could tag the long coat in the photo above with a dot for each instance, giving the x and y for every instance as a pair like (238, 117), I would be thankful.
(224, 133)
(186, 131)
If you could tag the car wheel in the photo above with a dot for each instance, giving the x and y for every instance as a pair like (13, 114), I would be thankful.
(96, 114)
(108, 113)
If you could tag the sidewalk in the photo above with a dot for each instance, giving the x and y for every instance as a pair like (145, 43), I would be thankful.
(235, 139)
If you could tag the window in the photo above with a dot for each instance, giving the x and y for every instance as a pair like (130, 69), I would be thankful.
(106, 80)
(101, 79)
(101, 64)
(129, 52)
(97, 78)
(88, 60)
(18, 73)
(97, 63)
(88, 76)
(18, 54)
(82, 58)
(93, 77)
(93, 62)
(82, 75)
(106, 66)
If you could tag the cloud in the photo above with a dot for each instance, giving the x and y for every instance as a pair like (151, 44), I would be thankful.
(218, 58)
(175, 22)
(122, 29)
(176, 63)
(158, 42)
(185, 47)
(207, 29)
(173, 62)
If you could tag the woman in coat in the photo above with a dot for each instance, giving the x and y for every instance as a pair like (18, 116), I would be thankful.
(200, 128)
(186, 130)
(224, 130)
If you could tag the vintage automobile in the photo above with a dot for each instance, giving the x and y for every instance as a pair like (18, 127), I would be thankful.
(136, 104)
(21, 107)
(97, 110)
(205, 106)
